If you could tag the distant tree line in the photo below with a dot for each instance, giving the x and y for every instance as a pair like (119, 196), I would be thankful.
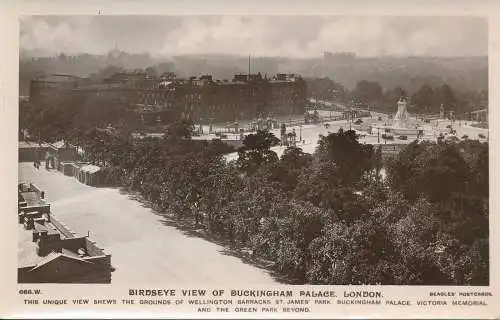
(426, 99)
(325, 89)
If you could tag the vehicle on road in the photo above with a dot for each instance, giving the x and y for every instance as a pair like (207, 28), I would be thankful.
(387, 137)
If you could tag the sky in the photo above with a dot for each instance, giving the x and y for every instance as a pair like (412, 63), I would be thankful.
(286, 36)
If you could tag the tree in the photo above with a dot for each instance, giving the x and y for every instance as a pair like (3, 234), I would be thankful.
(414, 239)
(325, 89)
(109, 71)
(446, 97)
(424, 98)
(368, 91)
(396, 93)
(355, 253)
(351, 157)
(285, 235)
(322, 185)
(256, 151)
(449, 176)
(253, 202)
(217, 191)
(424, 168)
(378, 162)
(180, 129)
(262, 140)
(290, 166)
(151, 71)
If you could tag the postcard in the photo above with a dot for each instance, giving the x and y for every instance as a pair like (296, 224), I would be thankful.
(249, 160)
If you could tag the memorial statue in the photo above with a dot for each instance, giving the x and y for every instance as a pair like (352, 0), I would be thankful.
(401, 117)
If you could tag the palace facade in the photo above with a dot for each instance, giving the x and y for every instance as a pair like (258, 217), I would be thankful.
(202, 99)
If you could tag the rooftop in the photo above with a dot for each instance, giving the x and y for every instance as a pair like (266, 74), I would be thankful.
(33, 199)
(224, 83)
(26, 144)
(90, 168)
(125, 79)
(27, 248)
(60, 78)
(93, 86)
(479, 111)
(70, 246)
(59, 144)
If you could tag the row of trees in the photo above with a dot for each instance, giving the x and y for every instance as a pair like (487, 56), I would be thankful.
(426, 99)
(325, 89)
(322, 218)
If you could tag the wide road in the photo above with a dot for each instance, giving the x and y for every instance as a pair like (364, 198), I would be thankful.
(143, 249)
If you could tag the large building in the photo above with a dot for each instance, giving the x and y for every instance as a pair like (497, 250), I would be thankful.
(478, 115)
(163, 98)
(339, 57)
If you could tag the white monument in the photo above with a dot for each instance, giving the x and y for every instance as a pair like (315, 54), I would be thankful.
(401, 117)
(401, 125)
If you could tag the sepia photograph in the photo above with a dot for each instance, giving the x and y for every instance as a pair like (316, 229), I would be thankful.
(253, 150)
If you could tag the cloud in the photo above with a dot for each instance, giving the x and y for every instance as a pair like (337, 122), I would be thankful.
(52, 36)
(293, 36)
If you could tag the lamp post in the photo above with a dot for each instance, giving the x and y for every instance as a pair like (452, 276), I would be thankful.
(300, 133)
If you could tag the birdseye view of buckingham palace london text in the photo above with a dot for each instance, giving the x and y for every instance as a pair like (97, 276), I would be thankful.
(253, 150)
